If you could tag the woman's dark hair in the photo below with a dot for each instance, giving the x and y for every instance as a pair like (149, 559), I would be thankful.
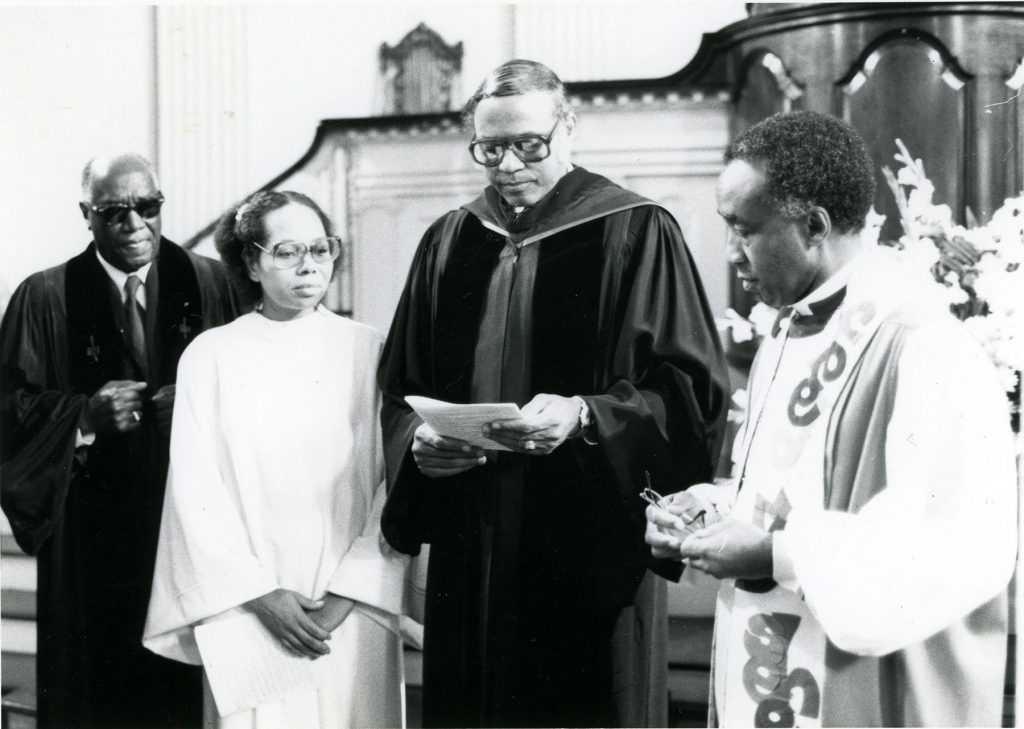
(242, 226)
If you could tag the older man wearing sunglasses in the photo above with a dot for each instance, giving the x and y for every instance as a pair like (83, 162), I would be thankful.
(560, 291)
(89, 351)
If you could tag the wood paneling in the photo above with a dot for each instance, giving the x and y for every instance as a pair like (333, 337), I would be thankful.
(932, 74)
(907, 86)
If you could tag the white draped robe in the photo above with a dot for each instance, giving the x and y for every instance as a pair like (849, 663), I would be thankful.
(915, 577)
(276, 481)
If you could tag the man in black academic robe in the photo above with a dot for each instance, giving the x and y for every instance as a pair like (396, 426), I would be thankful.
(578, 300)
(87, 392)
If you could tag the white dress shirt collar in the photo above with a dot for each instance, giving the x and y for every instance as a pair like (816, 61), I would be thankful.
(119, 278)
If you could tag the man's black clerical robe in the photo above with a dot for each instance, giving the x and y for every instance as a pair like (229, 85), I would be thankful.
(92, 515)
(535, 560)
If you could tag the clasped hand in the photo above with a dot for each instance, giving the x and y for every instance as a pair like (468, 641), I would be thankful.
(301, 625)
(546, 423)
(117, 408)
(726, 549)
(114, 408)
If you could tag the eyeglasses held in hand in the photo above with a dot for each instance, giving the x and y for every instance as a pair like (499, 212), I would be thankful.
(528, 148)
(653, 498)
(289, 253)
(114, 213)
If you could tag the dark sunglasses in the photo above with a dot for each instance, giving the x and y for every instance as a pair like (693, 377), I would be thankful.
(114, 213)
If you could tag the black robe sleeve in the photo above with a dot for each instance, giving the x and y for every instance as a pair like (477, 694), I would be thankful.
(664, 393)
(405, 369)
(39, 412)
(38, 421)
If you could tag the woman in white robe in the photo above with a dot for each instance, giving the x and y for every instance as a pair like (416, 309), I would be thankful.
(276, 483)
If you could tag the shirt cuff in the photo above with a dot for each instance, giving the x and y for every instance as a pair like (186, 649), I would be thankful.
(783, 569)
(586, 431)
(83, 440)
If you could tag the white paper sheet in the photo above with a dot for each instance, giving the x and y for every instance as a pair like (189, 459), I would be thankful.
(463, 421)
(246, 666)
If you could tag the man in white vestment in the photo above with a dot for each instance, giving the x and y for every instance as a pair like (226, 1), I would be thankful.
(867, 539)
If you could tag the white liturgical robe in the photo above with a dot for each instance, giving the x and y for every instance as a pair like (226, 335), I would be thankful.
(878, 452)
(276, 481)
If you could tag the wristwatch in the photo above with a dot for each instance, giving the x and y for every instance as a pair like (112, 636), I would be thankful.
(586, 421)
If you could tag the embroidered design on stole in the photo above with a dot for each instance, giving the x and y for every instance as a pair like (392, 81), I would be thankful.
(781, 695)
(766, 677)
(816, 393)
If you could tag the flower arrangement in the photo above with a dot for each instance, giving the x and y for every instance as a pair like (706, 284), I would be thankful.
(978, 268)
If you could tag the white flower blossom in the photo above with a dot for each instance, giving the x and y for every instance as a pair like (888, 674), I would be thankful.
(1002, 290)
(994, 284)
(872, 229)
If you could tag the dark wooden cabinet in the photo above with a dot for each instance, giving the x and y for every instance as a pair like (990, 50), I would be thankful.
(945, 78)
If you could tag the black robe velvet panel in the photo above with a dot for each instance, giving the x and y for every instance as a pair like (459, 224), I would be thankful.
(534, 559)
(92, 515)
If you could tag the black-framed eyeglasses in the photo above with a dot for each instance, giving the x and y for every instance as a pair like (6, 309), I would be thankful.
(289, 254)
(527, 147)
(114, 213)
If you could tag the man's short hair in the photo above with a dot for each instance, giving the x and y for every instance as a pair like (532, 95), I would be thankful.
(518, 77)
(99, 167)
(811, 159)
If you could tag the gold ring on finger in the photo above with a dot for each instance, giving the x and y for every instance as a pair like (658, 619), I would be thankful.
(529, 445)
(135, 414)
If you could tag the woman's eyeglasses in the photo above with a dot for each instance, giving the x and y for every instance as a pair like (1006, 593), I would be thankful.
(289, 253)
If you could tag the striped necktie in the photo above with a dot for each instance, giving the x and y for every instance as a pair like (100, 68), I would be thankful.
(134, 328)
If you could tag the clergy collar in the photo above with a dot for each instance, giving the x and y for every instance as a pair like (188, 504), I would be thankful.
(578, 197)
(824, 295)
(118, 276)
(809, 315)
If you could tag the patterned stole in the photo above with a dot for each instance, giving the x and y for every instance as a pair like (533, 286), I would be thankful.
(770, 649)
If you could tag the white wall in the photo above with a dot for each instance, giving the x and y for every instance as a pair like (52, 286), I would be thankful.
(332, 70)
(332, 52)
(74, 82)
(226, 98)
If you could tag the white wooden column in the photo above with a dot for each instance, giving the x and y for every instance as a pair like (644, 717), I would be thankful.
(202, 130)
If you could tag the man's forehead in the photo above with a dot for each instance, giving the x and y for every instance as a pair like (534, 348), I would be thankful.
(521, 112)
(742, 178)
(124, 182)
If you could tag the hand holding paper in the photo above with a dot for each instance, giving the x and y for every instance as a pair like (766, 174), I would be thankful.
(545, 423)
(451, 439)
(463, 422)
(438, 456)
